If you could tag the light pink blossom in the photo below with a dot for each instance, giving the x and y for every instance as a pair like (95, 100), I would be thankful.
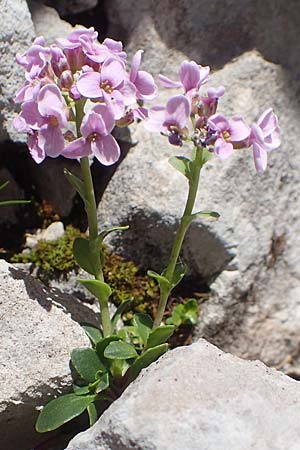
(96, 138)
(226, 133)
(171, 119)
(265, 136)
(192, 76)
(142, 80)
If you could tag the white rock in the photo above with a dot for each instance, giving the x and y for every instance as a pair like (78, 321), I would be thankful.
(199, 398)
(37, 335)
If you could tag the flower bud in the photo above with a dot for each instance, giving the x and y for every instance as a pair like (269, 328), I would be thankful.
(66, 79)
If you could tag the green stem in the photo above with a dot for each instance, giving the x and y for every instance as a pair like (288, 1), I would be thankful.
(180, 234)
(91, 211)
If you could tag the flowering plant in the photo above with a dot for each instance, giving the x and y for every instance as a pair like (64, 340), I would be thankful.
(76, 92)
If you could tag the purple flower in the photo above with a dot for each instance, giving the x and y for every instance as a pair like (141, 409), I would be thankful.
(143, 81)
(171, 119)
(264, 137)
(96, 138)
(227, 132)
(35, 59)
(100, 52)
(192, 76)
(105, 85)
(210, 101)
(74, 38)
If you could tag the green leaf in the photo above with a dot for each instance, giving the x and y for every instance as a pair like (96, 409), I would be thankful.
(98, 288)
(81, 390)
(3, 185)
(160, 335)
(120, 350)
(14, 202)
(119, 311)
(62, 410)
(182, 164)
(93, 414)
(105, 233)
(92, 332)
(179, 272)
(103, 382)
(87, 363)
(81, 252)
(186, 313)
(213, 214)
(144, 324)
(119, 367)
(77, 184)
(101, 346)
(150, 355)
(163, 282)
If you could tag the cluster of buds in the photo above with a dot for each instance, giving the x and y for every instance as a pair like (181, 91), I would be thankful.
(193, 116)
(79, 70)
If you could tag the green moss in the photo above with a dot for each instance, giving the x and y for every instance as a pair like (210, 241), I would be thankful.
(52, 258)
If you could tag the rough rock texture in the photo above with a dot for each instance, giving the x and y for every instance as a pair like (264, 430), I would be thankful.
(16, 35)
(37, 335)
(72, 6)
(256, 240)
(199, 398)
(207, 31)
(47, 22)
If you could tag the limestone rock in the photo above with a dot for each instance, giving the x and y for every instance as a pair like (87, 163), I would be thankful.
(16, 35)
(256, 239)
(47, 22)
(37, 335)
(199, 398)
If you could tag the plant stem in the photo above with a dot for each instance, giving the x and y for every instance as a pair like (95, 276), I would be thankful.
(91, 211)
(180, 234)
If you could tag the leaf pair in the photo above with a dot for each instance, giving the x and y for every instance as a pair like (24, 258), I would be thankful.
(165, 284)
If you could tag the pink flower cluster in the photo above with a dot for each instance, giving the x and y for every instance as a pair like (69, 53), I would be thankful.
(208, 128)
(80, 70)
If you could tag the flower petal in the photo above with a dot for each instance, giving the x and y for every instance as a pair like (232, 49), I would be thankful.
(106, 150)
(113, 71)
(145, 85)
(218, 122)
(239, 130)
(51, 103)
(36, 152)
(136, 62)
(223, 149)
(189, 74)
(77, 149)
(178, 110)
(156, 118)
(88, 85)
(93, 123)
(260, 156)
(115, 103)
(168, 83)
(51, 140)
(107, 117)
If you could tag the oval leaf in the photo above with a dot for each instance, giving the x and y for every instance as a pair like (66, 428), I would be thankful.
(179, 272)
(160, 335)
(87, 363)
(62, 410)
(101, 346)
(105, 233)
(81, 252)
(92, 332)
(150, 355)
(144, 324)
(93, 414)
(163, 282)
(98, 288)
(120, 350)
(182, 164)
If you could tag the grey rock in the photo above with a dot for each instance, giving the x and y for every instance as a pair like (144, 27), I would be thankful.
(47, 22)
(52, 233)
(66, 7)
(255, 241)
(199, 398)
(16, 35)
(37, 335)
(207, 31)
